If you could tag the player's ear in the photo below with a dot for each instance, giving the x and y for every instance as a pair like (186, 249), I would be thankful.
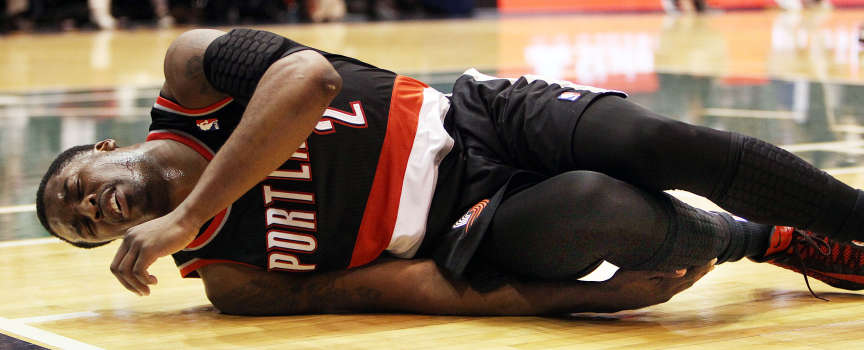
(105, 145)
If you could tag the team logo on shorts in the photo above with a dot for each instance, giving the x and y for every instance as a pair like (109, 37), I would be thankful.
(571, 96)
(207, 124)
(472, 214)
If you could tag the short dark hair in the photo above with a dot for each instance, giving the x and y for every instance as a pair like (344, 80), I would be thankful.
(56, 166)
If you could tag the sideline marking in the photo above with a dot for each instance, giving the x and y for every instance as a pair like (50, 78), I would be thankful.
(57, 317)
(12, 209)
(26, 242)
(42, 336)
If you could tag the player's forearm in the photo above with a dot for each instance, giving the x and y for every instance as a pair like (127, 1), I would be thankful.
(441, 296)
(288, 102)
(400, 285)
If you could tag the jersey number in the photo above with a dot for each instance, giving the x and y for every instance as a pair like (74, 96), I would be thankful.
(331, 115)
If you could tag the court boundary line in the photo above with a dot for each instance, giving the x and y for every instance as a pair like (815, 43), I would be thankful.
(31, 241)
(14, 209)
(43, 336)
(55, 317)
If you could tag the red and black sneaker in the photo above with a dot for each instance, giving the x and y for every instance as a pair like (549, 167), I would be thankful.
(838, 264)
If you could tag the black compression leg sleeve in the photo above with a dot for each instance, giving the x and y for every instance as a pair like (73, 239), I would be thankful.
(695, 234)
(770, 185)
(693, 238)
(749, 177)
(560, 229)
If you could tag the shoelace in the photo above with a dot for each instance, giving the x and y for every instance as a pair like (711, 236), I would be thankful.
(818, 244)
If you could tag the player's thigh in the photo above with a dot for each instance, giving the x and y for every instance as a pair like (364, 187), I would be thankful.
(561, 227)
(620, 138)
(535, 122)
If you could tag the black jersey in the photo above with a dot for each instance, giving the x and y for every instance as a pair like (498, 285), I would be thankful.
(362, 183)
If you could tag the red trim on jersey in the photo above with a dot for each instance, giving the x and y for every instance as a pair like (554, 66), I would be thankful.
(216, 222)
(382, 206)
(167, 135)
(197, 263)
(166, 103)
(205, 237)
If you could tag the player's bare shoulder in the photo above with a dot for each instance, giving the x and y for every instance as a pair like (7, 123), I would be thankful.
(184, 69)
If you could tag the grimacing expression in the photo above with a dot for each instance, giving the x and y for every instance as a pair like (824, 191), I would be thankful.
(101, 193)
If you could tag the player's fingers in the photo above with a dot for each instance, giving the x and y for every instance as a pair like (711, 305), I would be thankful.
(142, 263)
(127, 286)
(694, 274)
(118, 257)
(663, 274)
(699, 271)
(126, 274)
(121, 254)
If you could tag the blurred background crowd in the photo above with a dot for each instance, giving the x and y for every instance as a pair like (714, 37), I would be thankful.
(39, 15)
(65, 15)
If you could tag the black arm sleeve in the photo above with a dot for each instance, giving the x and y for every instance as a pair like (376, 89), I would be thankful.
(235, 62)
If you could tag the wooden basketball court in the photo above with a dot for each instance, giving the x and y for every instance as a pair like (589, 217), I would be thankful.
(794, 79)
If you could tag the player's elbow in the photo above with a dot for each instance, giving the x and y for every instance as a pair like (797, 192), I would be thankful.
(231, 289)
(240, 305)
(323, 76)
(227, 305)
(310, 69)
(330, 81)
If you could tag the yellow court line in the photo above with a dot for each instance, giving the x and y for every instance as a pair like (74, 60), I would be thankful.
(850, 128)
(748, 113)
(56, 317)
(26, 242)
(72, 97)
(13, 209)
(850, 170)
(77, 112)
(836, 146)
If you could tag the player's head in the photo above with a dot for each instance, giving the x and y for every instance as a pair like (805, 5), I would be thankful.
(92, 194)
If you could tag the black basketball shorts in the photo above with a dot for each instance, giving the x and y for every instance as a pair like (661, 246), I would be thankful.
(509, 134)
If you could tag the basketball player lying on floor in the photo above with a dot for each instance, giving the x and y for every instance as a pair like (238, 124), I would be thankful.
(293, 180)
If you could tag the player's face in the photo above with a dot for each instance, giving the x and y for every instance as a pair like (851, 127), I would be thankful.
(99, 194)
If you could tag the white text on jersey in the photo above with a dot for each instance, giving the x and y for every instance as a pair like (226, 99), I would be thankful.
(282, 244)
(331, 115)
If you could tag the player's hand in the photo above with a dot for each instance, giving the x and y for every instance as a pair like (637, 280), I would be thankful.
(628, 290)
(145, 243)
